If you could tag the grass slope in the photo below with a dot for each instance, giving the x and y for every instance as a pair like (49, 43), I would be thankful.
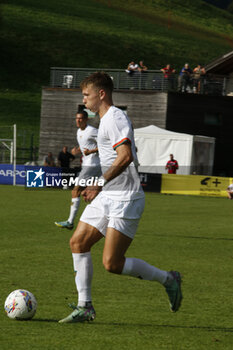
(191, 234)
(36, 35)
(41, 34)
(22, 108)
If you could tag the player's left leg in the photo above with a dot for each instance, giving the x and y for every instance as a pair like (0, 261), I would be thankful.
(75, 202)
(114, 260)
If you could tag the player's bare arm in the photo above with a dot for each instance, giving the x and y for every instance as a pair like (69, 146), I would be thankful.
(75, 151)
(90, 151)
(123, 159)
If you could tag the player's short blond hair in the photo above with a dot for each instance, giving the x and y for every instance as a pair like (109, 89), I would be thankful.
(99, 80)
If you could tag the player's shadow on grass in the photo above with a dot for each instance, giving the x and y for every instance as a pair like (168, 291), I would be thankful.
(121, 324)
(205, 328)
(44, 320)
(196, 237)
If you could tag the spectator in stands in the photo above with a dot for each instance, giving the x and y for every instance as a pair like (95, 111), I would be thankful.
(142, 67)
(184, 79)
(230, 191)
(132, 71)
(198, 73)
(132, 68)
(168, 75)
(143, 71)
(172, 165)
(64, 159)
(49, 160)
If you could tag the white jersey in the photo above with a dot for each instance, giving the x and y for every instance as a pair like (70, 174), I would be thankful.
(87, 138)
(115, 129)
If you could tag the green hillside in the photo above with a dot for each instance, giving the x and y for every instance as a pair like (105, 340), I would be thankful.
(40, 34)
(36, 35)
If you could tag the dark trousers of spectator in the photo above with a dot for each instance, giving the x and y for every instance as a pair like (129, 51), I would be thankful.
(183, 82)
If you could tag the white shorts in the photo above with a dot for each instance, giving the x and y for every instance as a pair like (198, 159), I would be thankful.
(123, 216)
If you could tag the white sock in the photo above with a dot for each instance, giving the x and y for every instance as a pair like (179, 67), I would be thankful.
(141, 269)
(75, 202)
(84, 271)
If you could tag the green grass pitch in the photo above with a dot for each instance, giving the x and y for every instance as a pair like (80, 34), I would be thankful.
(191, 234)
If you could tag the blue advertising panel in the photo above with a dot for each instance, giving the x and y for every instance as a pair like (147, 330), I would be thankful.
(31, 176)
(39, 176)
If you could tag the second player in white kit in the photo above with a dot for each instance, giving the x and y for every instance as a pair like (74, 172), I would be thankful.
(87, 141)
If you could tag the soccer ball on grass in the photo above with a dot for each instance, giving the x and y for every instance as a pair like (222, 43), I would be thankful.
(20, 305)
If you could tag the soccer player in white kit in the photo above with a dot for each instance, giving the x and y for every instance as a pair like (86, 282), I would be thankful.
(87, 141)
(116, 208)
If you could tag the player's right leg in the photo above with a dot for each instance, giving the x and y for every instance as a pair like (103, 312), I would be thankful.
(75, 202)
(84, 237)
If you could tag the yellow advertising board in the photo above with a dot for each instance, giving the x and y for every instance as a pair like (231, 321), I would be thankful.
(197, 185)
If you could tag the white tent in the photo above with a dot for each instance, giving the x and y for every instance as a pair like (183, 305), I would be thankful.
(195, 154)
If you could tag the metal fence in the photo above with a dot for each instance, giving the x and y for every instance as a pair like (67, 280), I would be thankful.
(150, 80)
(23, 155)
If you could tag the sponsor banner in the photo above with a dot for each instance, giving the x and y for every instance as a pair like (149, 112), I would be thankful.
(50, 177)
(198, 185)
(7, 172)
(45, 177)
(150, 182)
(39, 177)
(30, 176)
